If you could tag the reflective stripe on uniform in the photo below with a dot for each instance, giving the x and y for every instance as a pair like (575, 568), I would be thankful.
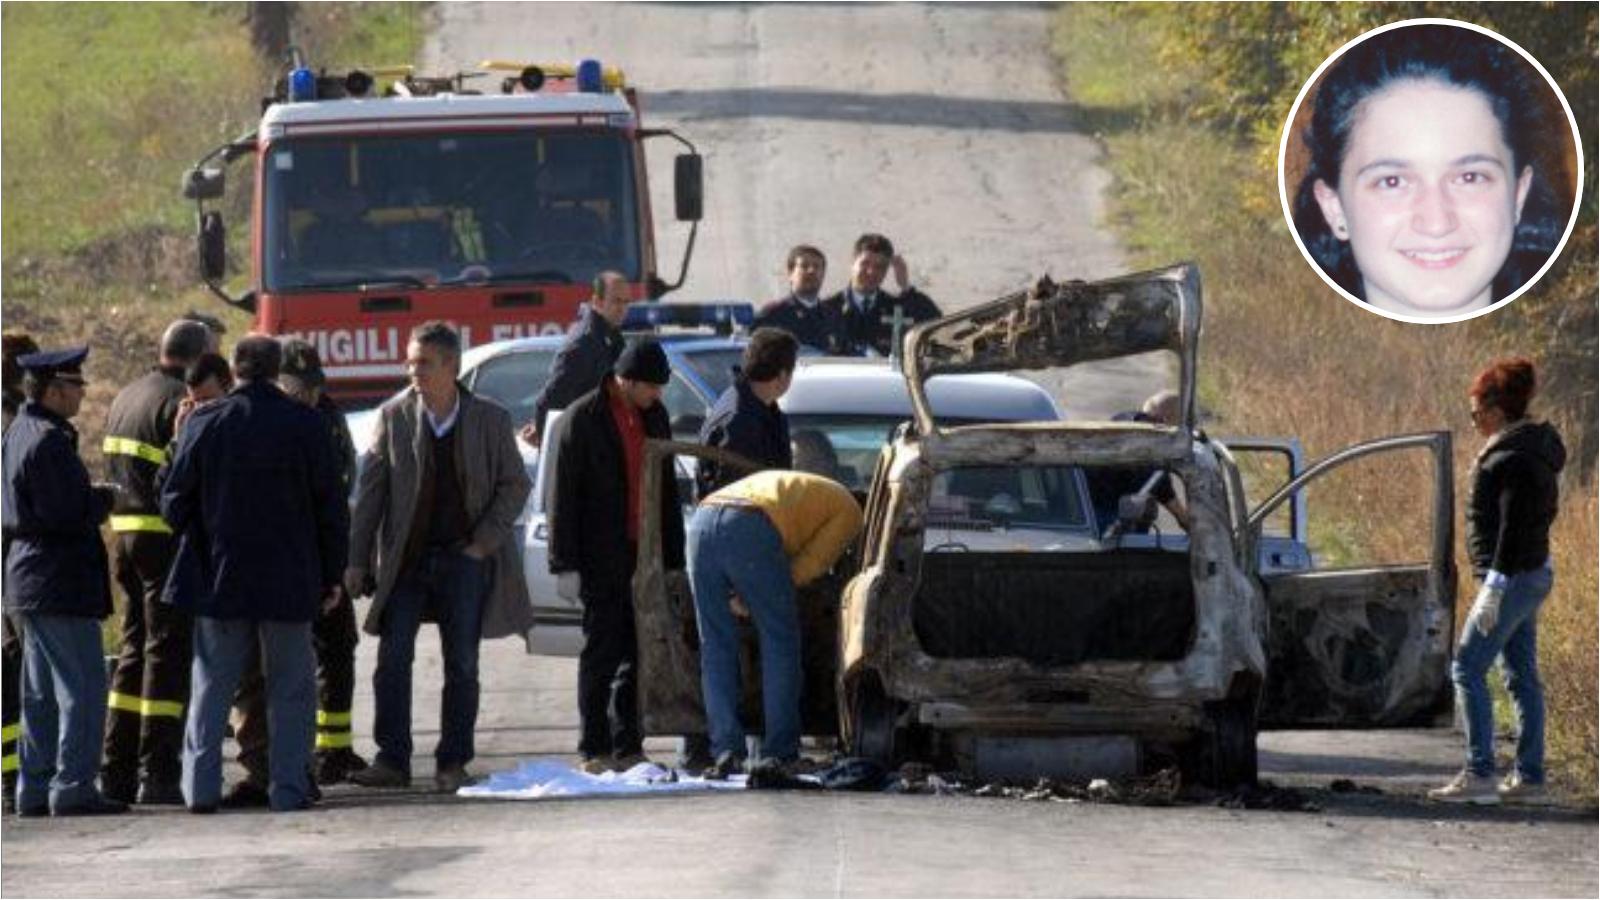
(122, 446)
(336, 741)
(122, 524)
(152, 709)
(10, 732)
(8, 763)
(326, 718)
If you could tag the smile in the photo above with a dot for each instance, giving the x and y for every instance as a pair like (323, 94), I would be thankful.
(1435, 259)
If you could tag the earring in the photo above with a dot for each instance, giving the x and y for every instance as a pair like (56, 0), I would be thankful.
(1341, 232)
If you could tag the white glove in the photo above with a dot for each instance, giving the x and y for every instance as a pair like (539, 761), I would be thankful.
(1486, 608)
(568, 586)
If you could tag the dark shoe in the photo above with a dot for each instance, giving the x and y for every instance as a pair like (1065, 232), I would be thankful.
(33, 812)
(246, 795)
(153, 794)
(334, 766)
(626, 761)
(119, 790)
(203, 810)
(695, 764)
(783, 775)
(451, 779)
(95, 806)
(726, 765)
(381, 774)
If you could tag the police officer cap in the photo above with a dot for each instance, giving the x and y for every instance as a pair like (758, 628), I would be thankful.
(644, 361)
(300, 360)
(48, 364)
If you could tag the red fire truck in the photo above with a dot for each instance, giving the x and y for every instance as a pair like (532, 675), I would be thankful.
(376, 209)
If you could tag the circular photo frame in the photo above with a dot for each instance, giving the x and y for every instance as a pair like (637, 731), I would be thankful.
(1430, 171)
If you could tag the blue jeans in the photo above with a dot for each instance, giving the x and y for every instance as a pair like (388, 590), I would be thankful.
(1514, 640)
(736, 550)
(452, 587)
(222, 649)
(63, 711)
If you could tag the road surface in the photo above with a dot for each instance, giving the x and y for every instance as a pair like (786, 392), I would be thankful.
(942, 127)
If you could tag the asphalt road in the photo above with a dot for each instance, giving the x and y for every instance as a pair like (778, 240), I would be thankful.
(944, 128)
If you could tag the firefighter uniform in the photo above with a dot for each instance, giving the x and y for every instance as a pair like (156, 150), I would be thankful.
(144, 727)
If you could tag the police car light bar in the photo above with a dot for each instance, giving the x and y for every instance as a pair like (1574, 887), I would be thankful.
(721, 316)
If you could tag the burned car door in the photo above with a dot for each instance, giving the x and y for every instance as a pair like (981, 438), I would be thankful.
(669, 641)
(1263, 464)
(1370, 646)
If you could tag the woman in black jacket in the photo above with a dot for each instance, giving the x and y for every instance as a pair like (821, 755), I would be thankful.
(1509, 510)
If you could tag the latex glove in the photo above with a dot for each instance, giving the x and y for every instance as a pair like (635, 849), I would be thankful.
(568, 586)
(355, 581)
(1486, 608)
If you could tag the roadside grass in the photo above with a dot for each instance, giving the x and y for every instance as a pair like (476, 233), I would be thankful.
(105, 105)
(1283, 355)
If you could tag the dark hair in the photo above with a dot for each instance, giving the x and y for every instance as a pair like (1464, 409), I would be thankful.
(1507, 385)
(597, 287)
(874, 243)
(1455, 56)
(257, 358)
(438, 334)
(799, 250)
(209, 365)
(184, 341)
(770, 353)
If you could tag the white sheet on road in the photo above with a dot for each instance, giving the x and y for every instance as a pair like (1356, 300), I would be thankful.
(541, 778)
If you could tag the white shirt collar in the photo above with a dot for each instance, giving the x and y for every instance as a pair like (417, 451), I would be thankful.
(808, 302)
(441, 427)
(860, 300)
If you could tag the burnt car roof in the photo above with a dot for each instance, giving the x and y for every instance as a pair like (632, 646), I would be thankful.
(1054, 326)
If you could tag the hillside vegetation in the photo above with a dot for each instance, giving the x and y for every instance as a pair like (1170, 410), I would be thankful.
(1206, 89)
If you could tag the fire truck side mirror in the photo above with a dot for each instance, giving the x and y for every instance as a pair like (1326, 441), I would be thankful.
(204, 184)
(688, 189)
(212, 245)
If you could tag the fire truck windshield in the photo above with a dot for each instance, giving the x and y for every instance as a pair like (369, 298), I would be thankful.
(422, 210)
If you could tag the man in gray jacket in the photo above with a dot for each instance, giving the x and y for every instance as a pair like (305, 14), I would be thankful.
(438, 493)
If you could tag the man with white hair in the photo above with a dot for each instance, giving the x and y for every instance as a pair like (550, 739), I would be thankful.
(1107, 485)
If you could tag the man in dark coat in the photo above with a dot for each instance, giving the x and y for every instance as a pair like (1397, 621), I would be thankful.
(253, 491)
(869, 311)
(16, 344)
(802, 313)
(56, 583)
(144, 725)
(585, 359)
(594, 524)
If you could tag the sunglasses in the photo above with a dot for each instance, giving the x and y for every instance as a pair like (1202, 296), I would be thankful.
(75, 380)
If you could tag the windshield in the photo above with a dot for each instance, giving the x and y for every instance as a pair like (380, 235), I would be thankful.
(420, 210)
(715, 367)
(513, 380)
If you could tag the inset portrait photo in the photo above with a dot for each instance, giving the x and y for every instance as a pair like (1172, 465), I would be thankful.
(1430, 171)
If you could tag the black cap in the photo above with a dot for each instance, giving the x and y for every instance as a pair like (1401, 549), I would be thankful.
(644, 361)
(50, 364)
(300, 361)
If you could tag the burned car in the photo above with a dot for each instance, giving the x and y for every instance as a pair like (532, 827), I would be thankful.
(989, 618)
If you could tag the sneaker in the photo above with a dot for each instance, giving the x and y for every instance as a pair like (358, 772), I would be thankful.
(628, 760)
(1479, 790)
(726, 765)
(334, 766)
(450, 779)
(246, 795)
(381, 774)
(594, 765)
(1530, 793)
(152, 793)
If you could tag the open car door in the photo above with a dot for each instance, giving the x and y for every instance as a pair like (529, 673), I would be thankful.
(669, 640)
(1369, 646)
(1263, 464)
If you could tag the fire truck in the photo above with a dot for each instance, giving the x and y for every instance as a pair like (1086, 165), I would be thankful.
(375, 208)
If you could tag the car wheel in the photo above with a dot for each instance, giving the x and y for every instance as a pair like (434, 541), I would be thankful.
(1227, 745)
(874, 723)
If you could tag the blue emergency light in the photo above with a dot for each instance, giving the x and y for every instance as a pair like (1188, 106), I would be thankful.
(591, 78)
(302, 86)
(720, 316)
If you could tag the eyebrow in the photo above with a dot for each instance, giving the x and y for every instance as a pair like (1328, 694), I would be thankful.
(1469, 159)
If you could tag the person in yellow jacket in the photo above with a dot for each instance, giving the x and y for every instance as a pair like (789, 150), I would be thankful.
(752, 543)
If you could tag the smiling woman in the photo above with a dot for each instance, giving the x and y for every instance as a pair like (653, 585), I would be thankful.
(1438, 173)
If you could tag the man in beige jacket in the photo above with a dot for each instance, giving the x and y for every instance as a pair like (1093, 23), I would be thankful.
(435, 503)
